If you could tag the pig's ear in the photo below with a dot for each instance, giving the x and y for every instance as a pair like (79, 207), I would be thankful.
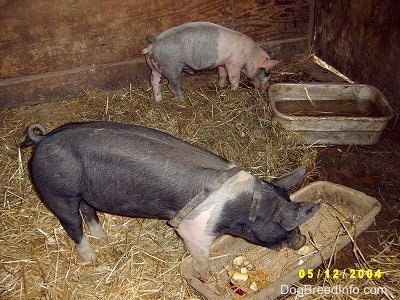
(289, 180)
(270, 63)
(293, 214)
(273, 52)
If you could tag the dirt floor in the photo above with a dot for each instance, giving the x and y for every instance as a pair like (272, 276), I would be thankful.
(374, 170)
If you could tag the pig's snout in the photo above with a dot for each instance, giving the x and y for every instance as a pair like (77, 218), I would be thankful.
(296, 241)
(261, 79)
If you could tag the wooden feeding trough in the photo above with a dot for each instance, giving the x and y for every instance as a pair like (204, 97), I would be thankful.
(344, 214)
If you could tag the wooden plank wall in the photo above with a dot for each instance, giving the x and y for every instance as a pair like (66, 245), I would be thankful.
(53, 50)
(362, 40)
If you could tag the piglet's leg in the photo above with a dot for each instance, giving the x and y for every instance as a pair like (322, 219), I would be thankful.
(233, 74)
(174, 85)
(222, 76)
(173, 74)
(155, 79)
(198, 243)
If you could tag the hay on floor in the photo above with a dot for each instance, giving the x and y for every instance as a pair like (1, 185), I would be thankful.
(38, 260)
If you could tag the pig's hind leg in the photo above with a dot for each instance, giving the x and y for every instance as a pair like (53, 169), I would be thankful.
(93, 222)
(175, 87)
(66, 209)
(222, 76)
(173, 74)
(155, 79)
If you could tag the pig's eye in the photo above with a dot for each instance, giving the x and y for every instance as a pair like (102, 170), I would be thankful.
(267, 73)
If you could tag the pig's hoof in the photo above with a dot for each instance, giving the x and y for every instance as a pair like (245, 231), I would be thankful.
(203, 278)
(98, 232)
(180, 97)
(88, 256)
(234, 86)
(222, 84)
(86, 252)
(298, 242)
(102, 236)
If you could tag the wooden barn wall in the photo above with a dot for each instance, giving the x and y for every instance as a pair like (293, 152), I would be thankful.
(54, 49)
(362, 39)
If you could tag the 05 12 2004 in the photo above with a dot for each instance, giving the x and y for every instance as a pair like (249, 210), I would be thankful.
(337, 274)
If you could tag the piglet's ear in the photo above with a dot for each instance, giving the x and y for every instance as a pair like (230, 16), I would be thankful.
(293, 214)
(289, 180)
(270, 63)
(273, 52)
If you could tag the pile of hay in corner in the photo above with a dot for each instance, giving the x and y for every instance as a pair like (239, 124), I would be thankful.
(38, 260)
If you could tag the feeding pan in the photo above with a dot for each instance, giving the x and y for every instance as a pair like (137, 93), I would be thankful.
(331, 113)
(343, 215)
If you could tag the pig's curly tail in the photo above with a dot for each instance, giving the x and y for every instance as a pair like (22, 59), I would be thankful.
(35, 138)
(150, 38)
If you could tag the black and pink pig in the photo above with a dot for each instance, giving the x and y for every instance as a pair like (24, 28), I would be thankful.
(81, 168)
(201, 46)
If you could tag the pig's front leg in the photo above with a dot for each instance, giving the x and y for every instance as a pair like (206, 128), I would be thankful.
(155, 79)
(222, 76)
(233, 74)
(198, 243)
(200, 251)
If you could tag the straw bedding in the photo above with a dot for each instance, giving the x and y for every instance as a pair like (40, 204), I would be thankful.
(38, 260)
